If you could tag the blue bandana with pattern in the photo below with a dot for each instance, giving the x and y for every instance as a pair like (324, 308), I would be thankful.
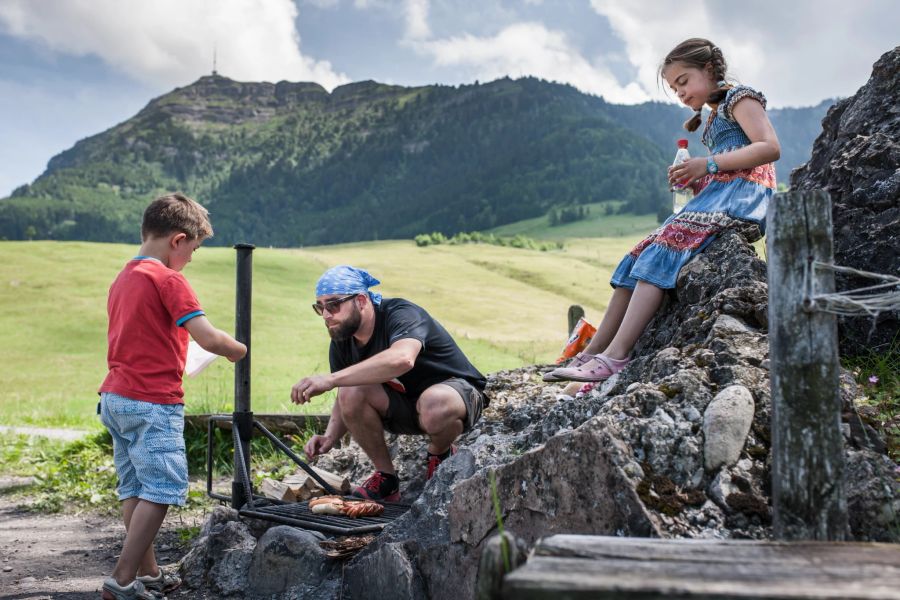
(344, 279)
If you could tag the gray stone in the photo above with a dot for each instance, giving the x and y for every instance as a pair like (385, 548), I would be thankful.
(386, 572)
(287, 557)
(726, 423)
(857, 160)
(232, 547)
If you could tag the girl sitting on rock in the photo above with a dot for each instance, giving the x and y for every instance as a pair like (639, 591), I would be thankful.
(732, 187)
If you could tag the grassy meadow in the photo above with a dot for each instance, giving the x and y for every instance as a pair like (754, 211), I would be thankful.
(506, 307)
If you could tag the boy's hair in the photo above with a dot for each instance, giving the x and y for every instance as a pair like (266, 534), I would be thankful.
(697, 53)
(176, 213)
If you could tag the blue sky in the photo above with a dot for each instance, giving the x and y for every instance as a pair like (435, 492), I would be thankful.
(73, 68)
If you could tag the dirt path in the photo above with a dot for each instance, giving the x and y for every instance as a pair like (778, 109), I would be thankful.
(65, 556)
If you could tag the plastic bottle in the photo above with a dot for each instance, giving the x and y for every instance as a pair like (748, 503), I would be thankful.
(681, 194)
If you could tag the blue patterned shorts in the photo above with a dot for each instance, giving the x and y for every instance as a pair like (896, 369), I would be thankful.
(148, 448)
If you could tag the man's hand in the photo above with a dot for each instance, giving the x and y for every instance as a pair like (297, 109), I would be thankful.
(318, 444)
(304, 390)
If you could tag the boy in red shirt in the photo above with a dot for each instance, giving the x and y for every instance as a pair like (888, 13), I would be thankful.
(152, 309)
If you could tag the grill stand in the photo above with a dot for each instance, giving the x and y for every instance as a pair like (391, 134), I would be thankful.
(243, 424)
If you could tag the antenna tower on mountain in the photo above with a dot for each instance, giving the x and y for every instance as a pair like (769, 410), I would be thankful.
(214, 60)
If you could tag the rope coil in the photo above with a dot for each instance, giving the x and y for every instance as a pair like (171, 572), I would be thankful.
(869, 301)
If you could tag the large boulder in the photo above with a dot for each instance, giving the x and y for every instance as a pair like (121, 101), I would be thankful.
(857, 159)
(628, 458)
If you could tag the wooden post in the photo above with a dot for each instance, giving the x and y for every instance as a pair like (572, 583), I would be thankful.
(575, 313)
(807, 446)
(492, 567)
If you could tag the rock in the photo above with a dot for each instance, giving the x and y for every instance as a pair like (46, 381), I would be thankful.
(856, 159)
(386, 572)
(221, 559)
(726, 423)
(287, 557)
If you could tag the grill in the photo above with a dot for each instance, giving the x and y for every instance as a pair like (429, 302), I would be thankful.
(243, 425)
(299, 515)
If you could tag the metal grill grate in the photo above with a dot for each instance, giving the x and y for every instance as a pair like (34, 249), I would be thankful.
(299, 515)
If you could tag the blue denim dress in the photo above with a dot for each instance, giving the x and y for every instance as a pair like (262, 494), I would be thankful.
(726, 199)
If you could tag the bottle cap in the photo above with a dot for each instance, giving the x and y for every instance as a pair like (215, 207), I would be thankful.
(682, 143)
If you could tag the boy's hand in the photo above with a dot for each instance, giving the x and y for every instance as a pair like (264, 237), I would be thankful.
(318, 444)
(239, 352)
(304, 390)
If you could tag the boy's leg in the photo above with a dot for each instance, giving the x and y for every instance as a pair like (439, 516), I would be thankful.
(362, 408)
(612, 319)
(142, 526)
(148, 564)
(644, 303)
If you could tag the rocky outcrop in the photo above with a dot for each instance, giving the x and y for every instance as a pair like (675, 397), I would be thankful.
(676, 445)
(857, 159)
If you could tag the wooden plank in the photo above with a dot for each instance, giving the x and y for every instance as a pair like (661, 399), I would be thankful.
(808, 497)
(567, 566)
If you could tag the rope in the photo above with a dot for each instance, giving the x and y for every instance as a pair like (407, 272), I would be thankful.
(869, 301)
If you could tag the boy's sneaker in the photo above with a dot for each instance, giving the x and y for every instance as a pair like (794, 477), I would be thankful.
(381, 487)
(435, 460)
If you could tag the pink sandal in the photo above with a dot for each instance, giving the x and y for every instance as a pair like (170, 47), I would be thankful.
(599, 368)
(578, 360)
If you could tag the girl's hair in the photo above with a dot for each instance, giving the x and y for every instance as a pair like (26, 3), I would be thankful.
(176, 213)
(697, 53)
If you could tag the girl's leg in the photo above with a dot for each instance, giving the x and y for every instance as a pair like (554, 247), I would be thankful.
(608, 327)
(645, 301)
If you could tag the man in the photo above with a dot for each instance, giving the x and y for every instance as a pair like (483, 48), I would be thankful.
(396, 369)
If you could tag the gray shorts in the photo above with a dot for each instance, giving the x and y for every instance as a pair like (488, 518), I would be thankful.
(403, 418)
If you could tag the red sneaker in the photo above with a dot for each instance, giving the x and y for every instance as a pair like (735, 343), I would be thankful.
(435, 460)
(381, 487)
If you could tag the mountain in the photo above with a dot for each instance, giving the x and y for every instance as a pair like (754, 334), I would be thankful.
(289, 164)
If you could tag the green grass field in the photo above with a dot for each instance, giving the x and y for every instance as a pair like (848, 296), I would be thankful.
(506, 307)
(596, 225)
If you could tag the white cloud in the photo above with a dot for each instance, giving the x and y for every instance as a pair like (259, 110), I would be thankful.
(170, 42)
(797, 52)
(530, 49)
(416, 12)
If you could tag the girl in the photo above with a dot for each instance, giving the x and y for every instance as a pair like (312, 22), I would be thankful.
(732, 187)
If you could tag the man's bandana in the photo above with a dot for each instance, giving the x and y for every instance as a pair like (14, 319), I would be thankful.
(344, 279)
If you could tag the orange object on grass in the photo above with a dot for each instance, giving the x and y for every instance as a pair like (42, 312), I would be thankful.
(578, 340)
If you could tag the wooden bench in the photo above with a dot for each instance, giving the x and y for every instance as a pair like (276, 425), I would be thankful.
(581, 566)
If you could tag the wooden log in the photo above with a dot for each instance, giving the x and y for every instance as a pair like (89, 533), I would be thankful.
(492, 566)
(276, 423)
(572, 566)
(277, 490)
(305, 480)
(575, 313)
(807, 446)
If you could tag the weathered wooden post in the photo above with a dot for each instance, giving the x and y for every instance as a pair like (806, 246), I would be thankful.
(575, 313)
(807, 446)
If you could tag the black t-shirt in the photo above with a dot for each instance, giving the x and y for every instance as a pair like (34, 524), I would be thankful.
(397, 319)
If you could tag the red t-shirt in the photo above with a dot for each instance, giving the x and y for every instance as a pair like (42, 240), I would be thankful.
(148, 306)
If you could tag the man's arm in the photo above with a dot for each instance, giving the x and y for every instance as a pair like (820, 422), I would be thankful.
(384, 366)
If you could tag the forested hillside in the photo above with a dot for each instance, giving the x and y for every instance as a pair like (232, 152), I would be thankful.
(289, 164)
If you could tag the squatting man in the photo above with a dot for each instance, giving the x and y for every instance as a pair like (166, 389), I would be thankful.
(396, 369)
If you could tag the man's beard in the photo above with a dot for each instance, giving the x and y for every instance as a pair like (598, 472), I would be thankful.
(345, 330)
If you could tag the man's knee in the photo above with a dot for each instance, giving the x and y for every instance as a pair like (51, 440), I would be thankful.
(438, 410)
(357, 400)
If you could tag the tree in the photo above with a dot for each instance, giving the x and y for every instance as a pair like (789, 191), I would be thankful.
(30, 232)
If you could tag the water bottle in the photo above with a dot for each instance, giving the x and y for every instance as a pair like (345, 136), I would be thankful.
(681, 194)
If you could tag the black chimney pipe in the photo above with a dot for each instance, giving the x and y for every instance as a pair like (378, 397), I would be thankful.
(242, 416)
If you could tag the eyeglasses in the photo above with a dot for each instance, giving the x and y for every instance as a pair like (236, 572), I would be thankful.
(332, 306)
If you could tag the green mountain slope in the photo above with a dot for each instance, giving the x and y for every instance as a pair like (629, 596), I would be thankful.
(289, 164)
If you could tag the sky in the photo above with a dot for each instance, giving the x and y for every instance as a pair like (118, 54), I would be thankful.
(73, 68)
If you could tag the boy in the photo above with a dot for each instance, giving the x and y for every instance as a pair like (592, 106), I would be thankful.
(152, 309)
